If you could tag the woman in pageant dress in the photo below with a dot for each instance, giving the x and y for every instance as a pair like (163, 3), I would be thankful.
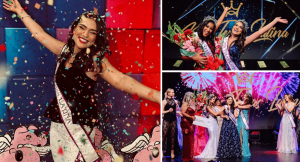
(287, 139)
(170, 141)
(210, 150)
(229, 142)
(219, 118)
(243, 122)
(74, 112)
(188, 112)
(206, 34)
(201, 133)
(298, 124)
(233, 45)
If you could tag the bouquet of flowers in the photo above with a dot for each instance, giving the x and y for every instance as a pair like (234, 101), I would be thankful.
(200, 100)
(190, 46)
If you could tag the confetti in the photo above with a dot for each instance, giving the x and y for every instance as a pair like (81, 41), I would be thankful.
(50, 2)
(37, 6)
(2, 48)
(60, 151)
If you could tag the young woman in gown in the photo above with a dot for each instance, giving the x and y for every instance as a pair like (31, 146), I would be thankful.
(210, 150)
(243, 122)
(287, 139)
(206, 34)
(298, 124)
(201, 134)
(234, 44)
(170, 141)
(188, 112)
(219, 118)
(229, 142)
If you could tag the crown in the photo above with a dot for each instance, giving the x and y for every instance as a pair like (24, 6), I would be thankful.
(210, 18)
(236, 12)
(244, 77)
(244, 22)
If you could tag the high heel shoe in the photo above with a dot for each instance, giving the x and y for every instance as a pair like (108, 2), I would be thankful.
(172, 154)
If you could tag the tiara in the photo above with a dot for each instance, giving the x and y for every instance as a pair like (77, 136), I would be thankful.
(244, 22)
(210, 18)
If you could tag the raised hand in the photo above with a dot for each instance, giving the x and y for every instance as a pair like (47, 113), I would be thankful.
(12, 5)
(226, 9)
(279, 19)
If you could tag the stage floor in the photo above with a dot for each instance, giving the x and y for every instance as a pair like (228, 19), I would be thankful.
(260, 153)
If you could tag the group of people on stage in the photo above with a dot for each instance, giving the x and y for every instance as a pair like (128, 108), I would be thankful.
(228, 133)
(231, 46)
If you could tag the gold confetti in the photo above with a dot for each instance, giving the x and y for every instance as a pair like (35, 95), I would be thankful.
(37, 6)
(128, 125)
(50, 2)
(11, 105)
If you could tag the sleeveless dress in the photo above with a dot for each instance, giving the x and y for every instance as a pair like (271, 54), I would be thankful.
(231, 56)
(245, 137)
(229, 142)
(170, 132)
(78, 89)
(211, 147)
(200, 137)
(188, 135)
(287, 139)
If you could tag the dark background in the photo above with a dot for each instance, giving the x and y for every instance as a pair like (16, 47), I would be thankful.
(250, 11)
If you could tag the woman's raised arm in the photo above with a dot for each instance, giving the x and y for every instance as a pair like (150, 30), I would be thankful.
(35, 29)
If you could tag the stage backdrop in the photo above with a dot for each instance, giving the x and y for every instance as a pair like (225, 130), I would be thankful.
(27, 68)
(257, 13)
(266, 90)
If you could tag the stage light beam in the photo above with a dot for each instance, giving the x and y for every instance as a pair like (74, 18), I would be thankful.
(192, 9)
(277, 39)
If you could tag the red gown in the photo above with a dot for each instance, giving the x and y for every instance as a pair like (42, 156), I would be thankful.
(188, 130)
(200, 137)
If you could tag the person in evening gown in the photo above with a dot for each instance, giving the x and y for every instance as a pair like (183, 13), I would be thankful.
(298, 124)
(169, 123)
(210, 150)
(201, 133)
(229, 142)
(287, 139)
(244, 107)
(188, 112)
(219, 118)
(234, 44)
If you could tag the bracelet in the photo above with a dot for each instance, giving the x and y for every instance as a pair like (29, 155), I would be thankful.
(26, 16)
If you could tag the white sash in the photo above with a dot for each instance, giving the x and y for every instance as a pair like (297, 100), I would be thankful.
(230, 115)
(202, 121)
(226, 54)
(290, 116)
(206, 49)
(76, 131)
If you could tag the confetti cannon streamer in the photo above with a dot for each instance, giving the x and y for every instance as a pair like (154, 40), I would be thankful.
(290, 50)
(291, 9)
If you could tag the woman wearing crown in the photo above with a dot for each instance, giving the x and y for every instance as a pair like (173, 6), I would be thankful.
(233, 45)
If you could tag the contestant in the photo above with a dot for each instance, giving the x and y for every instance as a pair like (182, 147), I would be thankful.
(229, 142)
(219, 118)
(169, 104)
(80, 63)
(188, 112)
(287, 139)
(211, 147)
(298, 124)
(243, 122)
(234, 44)
(201, 133)
(206, 33)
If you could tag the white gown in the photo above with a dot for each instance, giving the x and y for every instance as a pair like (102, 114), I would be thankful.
(210, 150)
(287, 139)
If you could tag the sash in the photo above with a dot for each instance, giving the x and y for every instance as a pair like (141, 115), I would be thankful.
(206, 49)
(230, 115)
(226, 54)
(202, 121)
(290, 116)
(76, 131)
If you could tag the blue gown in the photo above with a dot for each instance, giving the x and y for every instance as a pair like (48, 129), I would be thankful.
(235, 55)
(229, 142)
(245, 137)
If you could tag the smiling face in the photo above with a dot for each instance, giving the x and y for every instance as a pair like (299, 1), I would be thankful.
(84, 35)
(171, 93)
(218, 103)
(212, 101)
(237, 29)
(208, 29)
(229, 100)
(245, 97)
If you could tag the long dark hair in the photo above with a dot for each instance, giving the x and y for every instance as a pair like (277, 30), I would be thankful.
(233, 103)
(210, 38)
(82, 59)
(241, 38)
(249, 101)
